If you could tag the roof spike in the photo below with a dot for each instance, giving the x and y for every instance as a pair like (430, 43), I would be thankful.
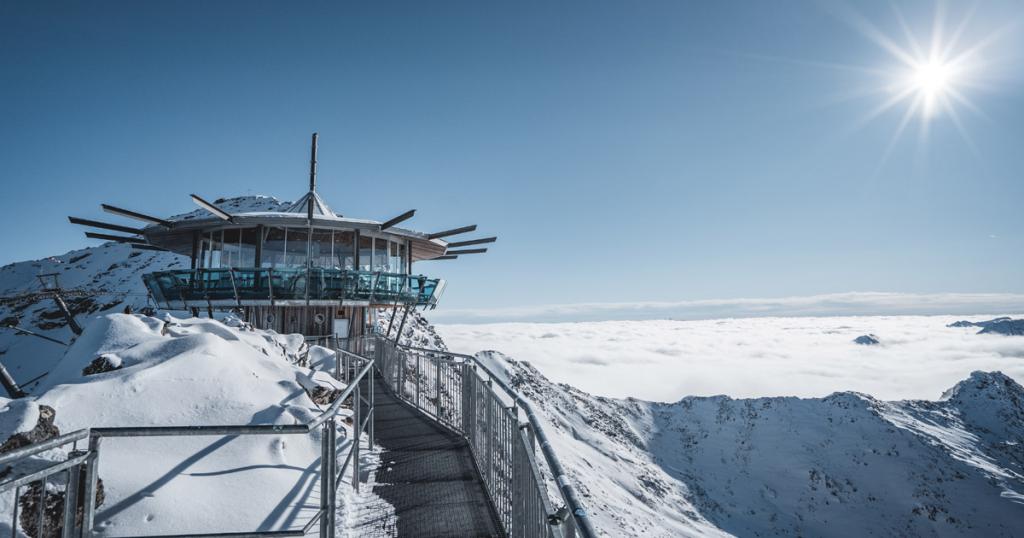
(312, 164)
(453, 231)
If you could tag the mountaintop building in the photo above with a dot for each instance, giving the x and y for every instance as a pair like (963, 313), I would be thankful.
(305, 269)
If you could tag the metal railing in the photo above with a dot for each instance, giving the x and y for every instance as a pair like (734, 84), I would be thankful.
(464, 395)
(80, 468)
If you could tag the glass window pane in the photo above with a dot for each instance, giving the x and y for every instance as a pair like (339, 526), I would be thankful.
(344, 253)
(321, 249)
(296, 248)
(229, 249)
(213, 255)
(380, 254)
(247, 248)
(401, 268)
(273, 247)
(365, 253)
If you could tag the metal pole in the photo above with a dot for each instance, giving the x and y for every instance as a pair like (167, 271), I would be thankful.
(71, 502)
(373, 414)
(332, 484)
(418, 380)
(325, 482)
(490, 434)
(91, 469)
(356, 404)
(437, 387)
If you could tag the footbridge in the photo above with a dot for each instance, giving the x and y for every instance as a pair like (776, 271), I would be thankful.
(459, 453)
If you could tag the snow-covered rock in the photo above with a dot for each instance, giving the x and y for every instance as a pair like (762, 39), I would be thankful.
(866, 340)
(1002, 325)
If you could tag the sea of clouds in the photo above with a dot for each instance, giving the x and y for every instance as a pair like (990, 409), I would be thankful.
(664, 360)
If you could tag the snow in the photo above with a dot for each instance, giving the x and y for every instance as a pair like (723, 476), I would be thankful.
(17, 416)
(190, 372)
(811, 357)
(843, 465)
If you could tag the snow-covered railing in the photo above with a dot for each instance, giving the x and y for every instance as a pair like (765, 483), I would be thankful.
(17, 476)
(81, 467)
(465, 396)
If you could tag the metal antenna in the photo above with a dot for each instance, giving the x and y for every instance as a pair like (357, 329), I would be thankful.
(312, 179)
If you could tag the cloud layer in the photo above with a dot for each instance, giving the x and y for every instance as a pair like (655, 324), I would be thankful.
(837, 304)
(664, 360)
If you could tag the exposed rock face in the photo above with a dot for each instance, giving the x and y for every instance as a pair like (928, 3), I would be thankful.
(866, 340)
(965, 323)
(417, 332)
(1009, 327)
(44, 429)
(53, 507)
(104, 363)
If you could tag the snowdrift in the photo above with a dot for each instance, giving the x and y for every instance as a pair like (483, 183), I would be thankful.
(174, 372)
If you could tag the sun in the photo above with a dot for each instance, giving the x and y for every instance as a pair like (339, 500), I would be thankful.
(933, 81)
(931, 70)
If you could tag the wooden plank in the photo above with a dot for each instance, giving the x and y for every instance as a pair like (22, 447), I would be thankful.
(134, 215)
(105, 225)
(403, 217)
(217, 212)
(117, 238)
(472, 242)
(453, 231)
(467, 251)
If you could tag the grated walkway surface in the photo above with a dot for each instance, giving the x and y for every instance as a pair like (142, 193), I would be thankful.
(427, 475)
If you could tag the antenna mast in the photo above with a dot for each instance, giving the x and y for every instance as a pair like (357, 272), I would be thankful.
(312, 179)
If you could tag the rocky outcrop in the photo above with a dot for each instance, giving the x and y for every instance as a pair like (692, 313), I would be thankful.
(866, 340)
(107, 362)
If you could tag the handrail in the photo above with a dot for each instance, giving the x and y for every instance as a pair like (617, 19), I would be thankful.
(254, 429)
(565, 488)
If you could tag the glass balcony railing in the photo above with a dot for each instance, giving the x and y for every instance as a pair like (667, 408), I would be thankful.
(184, 288)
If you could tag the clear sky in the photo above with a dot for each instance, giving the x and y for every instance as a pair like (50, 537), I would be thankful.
(622, 151)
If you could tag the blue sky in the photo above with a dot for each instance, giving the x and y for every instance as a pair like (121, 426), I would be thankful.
(623, 152)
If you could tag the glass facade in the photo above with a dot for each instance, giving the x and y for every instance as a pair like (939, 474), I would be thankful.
(289, 247)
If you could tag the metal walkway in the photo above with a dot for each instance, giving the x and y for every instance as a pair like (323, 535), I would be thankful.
(427, 475)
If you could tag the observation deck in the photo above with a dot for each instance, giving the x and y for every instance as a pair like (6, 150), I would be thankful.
(227, 287)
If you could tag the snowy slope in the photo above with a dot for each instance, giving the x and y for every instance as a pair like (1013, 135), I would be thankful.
(843, 465)
(110, 272)
(188, 372)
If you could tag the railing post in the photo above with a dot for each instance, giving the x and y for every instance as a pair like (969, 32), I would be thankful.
(437, 388)
(418, 377)
(71, 501)
(91, 469)
(356, 404)
(490, 434)
(325, 483)
(373, 414)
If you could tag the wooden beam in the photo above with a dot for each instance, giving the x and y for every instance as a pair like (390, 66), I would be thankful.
(217, 212)
(117, 238)
(467, 251)
(105, 226)
(403, 217)
(137, 216)
(445, 257)
(472, 242)
(149, 247)
(453, 231)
